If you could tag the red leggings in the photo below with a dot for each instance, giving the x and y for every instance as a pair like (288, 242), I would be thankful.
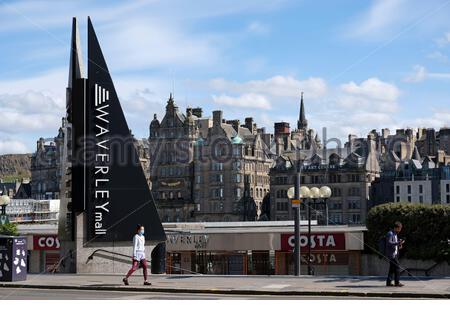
(135, 266)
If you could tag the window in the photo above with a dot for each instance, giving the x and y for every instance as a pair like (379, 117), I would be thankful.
(421, 199)
(409, 198)
(353, 204)
(238, 193)
(397, 199)
(354, 192)
(281, 180)
(217, 166)
(282, 206)
(179, 195)
(336, 218)
(336, 192)
(447, 187)
(336, 205)
(397, 189)
(238, 177)
(332, 178)
(448, 198)
(409, 189)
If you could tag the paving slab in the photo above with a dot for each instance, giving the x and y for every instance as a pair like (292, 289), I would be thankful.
(415, 287)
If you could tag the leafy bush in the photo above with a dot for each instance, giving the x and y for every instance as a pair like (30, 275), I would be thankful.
(9, 229)
(426, 229)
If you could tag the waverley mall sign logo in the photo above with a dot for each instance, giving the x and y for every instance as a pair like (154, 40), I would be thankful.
(102, 157)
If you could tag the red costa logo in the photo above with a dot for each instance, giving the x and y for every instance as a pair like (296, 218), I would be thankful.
(45, 243)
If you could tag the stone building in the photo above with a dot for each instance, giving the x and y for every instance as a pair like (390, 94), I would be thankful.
(347, 170)
(415, 166)
(46, 168)
(413, 181)
(205, 169)
(231, 171)
(407, 144)
(171, 144)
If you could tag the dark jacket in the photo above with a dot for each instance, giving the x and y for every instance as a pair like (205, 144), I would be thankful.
(391, 245)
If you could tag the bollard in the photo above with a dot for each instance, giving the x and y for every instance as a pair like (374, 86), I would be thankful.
(158, 263)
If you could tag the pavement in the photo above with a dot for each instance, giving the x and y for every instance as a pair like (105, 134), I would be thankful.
(73, 294)
(280, 286)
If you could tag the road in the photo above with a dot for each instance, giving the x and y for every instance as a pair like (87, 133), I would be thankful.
(62, 294)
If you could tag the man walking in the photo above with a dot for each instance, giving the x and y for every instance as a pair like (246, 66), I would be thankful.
(393, 246)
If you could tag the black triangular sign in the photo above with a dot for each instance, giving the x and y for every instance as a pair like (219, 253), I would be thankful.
(119, 196)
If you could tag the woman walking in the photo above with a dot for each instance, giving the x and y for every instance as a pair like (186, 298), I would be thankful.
(138, 255)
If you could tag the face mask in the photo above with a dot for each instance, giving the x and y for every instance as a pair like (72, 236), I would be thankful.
(141, 232)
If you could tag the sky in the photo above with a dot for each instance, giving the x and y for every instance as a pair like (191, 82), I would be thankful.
(362, 65)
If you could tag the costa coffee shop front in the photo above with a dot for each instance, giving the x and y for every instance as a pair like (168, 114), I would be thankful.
(240, 248)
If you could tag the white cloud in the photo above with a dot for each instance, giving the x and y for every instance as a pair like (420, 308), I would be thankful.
(8, 146)
(29, 112)
(146, 43)
(372, 88)
(439, 118)
(381, 15)
(438, 56)
(278, 86)
(420, 74)
(53, 83)
(247, 100)
(258, 28)
(444, 40)
(389, 19)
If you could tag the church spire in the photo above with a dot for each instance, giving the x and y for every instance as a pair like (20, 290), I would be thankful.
(302, 123)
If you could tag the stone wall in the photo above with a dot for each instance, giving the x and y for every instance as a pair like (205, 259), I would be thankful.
(372, 265)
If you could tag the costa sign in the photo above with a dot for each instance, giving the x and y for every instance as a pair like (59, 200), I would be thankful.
(44, 242)
(319, 241)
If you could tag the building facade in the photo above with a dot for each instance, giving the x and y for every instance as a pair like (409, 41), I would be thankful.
(261, 248)
(348, 171)
(46, 168)
(413, 182)
(205, 169)
(171, 144)
(231, 172)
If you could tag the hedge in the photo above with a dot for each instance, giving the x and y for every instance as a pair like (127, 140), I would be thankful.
(8, 229)
(426, 229)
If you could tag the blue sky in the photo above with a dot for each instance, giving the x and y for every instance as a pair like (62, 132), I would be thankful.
(362, 64)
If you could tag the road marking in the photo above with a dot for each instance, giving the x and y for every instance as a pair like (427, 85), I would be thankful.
(276, 286)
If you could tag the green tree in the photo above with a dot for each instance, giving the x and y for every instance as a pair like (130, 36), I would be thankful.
(9, 229)
(426, 229)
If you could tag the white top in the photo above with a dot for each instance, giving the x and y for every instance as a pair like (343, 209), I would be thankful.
(138, 247)
(396, 247)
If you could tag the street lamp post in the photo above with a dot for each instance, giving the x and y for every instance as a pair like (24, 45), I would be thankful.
(325, 193)
(313, 194)
(297, 255)
(4, 201)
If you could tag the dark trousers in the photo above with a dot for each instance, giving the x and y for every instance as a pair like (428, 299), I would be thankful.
(135, 266)
(394, 270)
